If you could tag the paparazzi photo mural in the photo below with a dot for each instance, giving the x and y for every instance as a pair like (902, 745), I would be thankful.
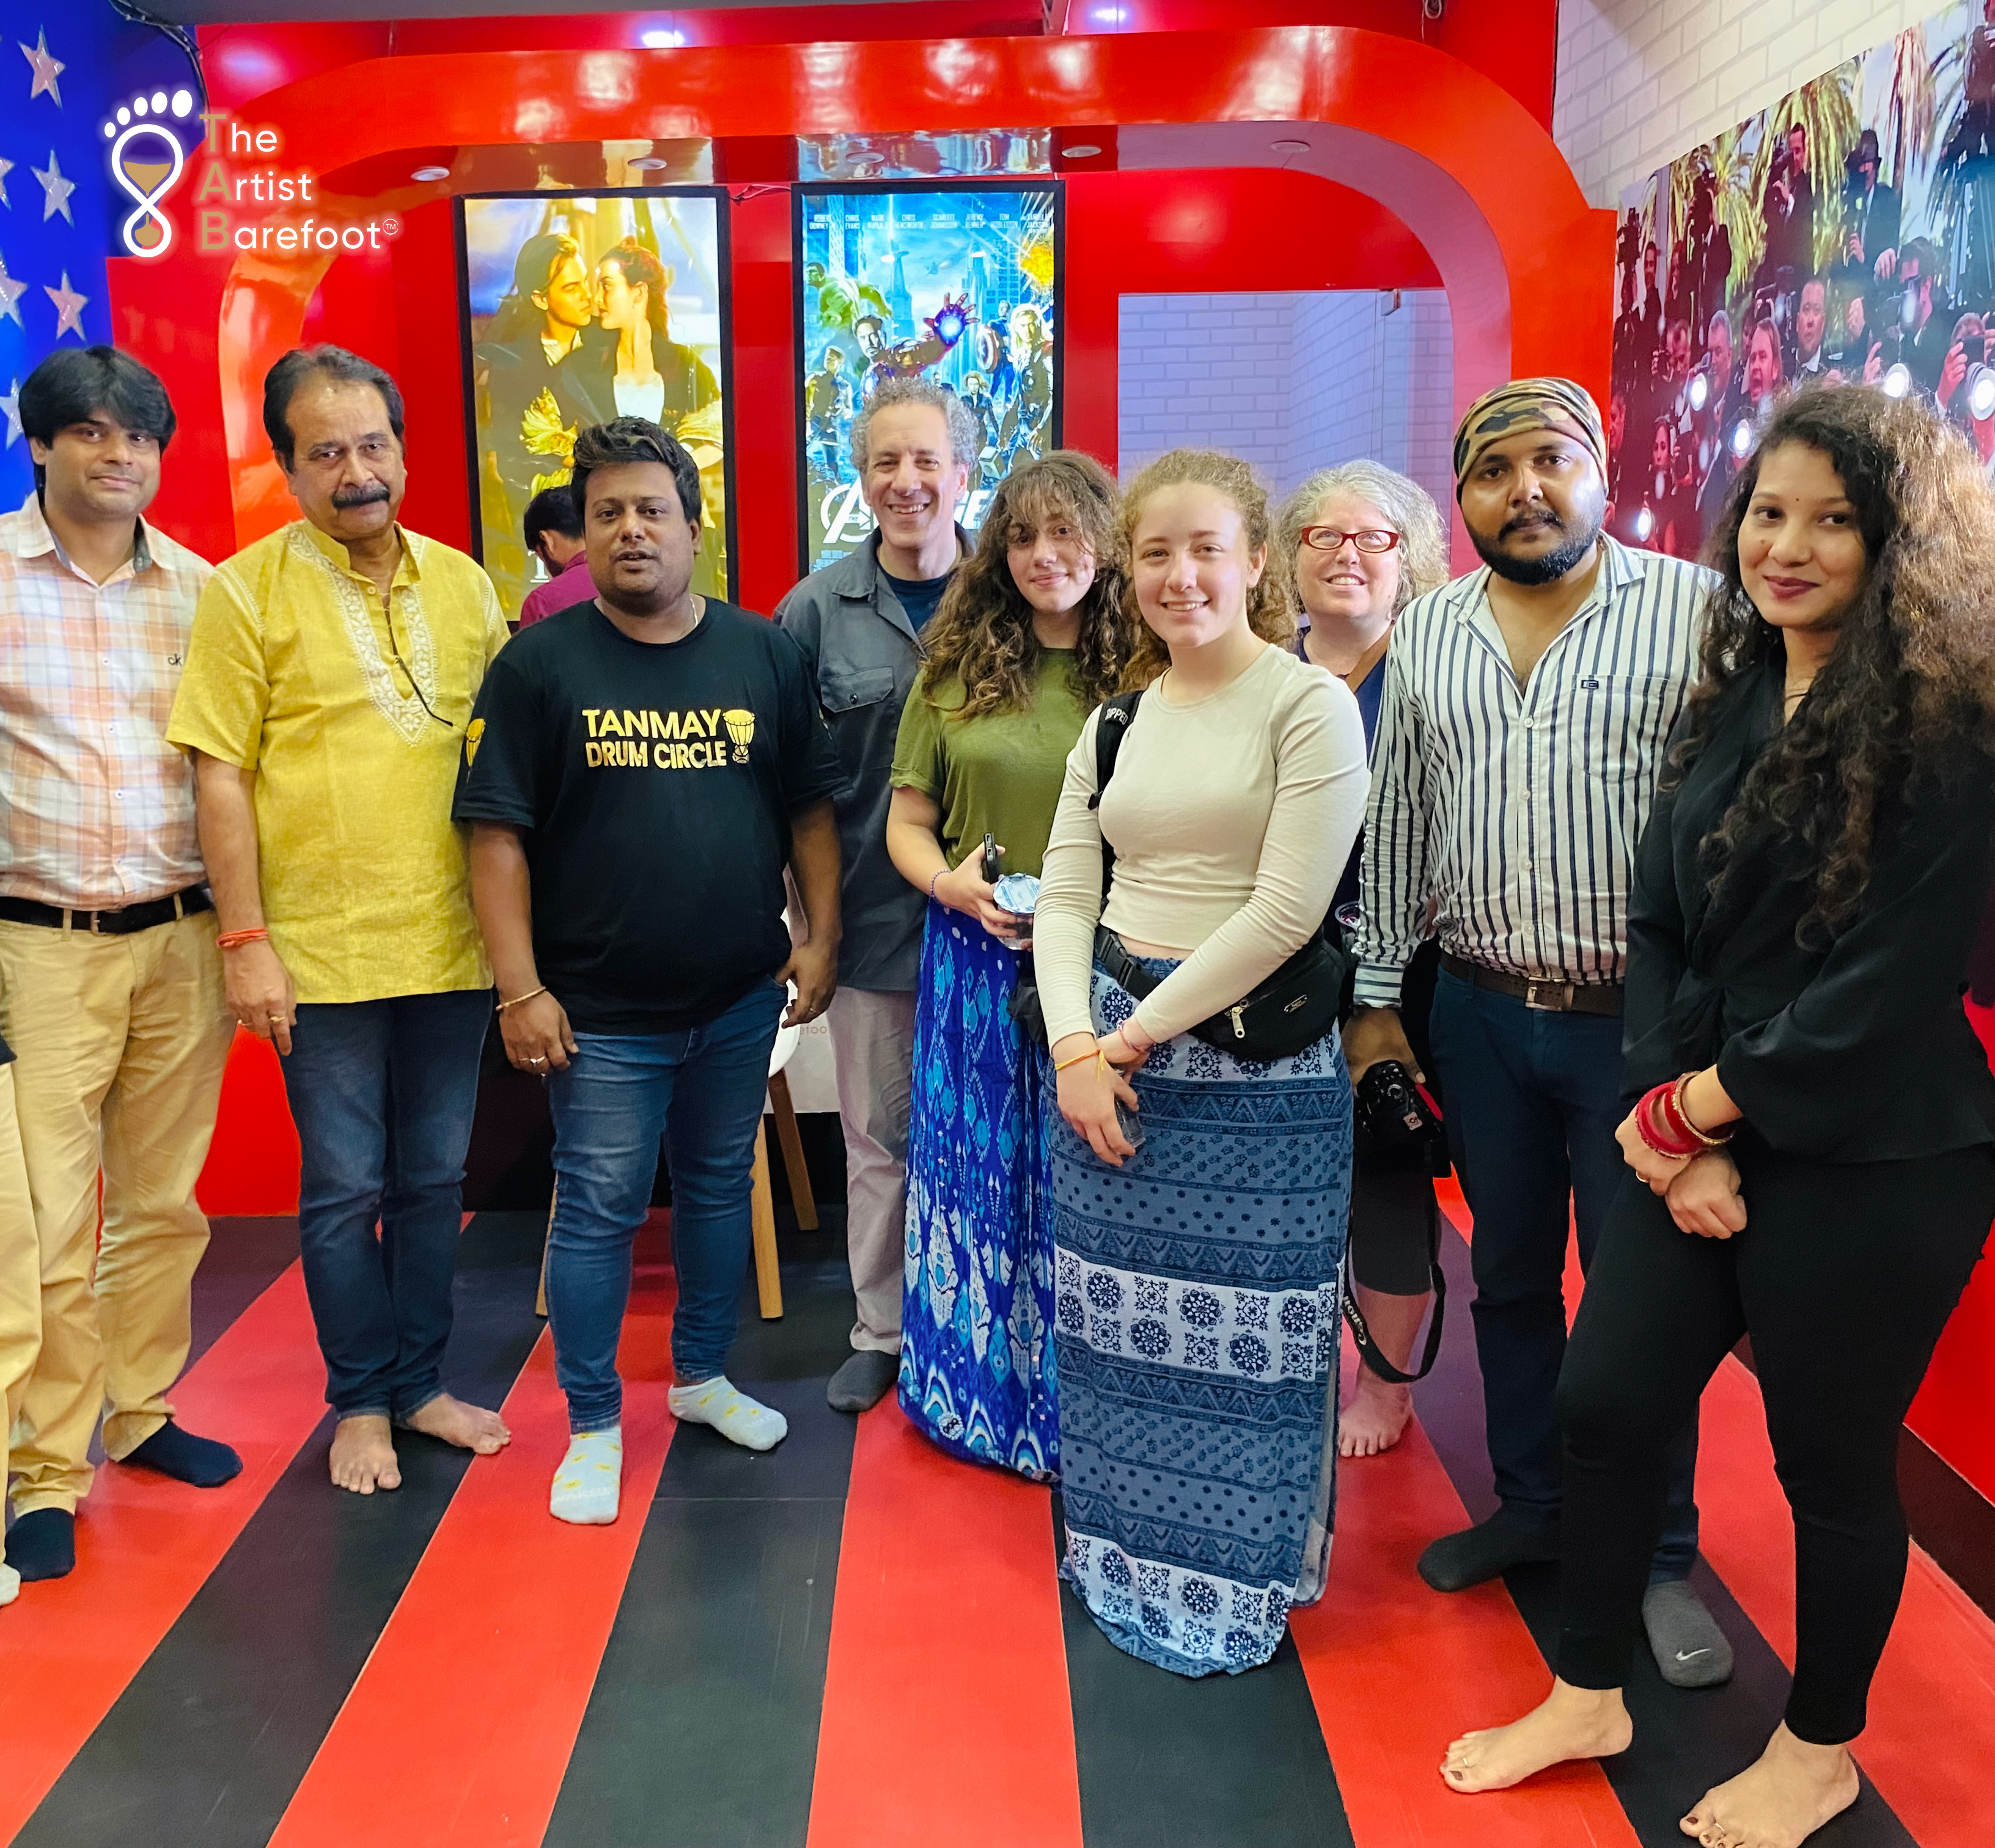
(1846, 232)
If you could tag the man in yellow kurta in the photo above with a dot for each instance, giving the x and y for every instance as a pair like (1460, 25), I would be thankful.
(329, 683)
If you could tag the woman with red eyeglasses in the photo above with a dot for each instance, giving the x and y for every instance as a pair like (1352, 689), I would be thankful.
(1366, 541)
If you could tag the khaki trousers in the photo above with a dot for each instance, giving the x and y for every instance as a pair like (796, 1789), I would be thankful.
(873, 1046)
(20, 1274)
(120, 1044)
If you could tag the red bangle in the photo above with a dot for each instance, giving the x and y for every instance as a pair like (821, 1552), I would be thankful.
(1652, 1125)
(1677, 1116)
(234, 940)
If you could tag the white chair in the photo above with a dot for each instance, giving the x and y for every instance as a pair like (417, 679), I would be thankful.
(768, 1281)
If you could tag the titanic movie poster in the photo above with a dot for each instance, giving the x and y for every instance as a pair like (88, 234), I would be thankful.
(956, 283)
(579, 307)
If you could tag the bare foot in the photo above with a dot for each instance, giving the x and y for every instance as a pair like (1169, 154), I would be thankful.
(1571, 1723)
(1376, 1417)
(468, 1427)
(1780, 1801)
(363, 1456)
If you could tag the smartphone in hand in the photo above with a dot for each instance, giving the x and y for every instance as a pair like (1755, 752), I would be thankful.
(993, 858)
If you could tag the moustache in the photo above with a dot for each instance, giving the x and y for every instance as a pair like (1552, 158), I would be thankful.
(1530, 522)
(349, 497)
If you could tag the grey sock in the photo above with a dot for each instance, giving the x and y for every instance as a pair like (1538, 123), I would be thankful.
(1689, 1648)
(865, 1378)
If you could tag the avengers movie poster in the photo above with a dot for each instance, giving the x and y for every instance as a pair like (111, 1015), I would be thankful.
(958, 284)
(579, 307)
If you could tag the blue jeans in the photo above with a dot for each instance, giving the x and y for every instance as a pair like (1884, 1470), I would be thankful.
(382, 1093)
(1533, 1098)
(702, 1090)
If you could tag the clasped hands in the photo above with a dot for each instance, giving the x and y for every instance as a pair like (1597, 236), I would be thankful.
(1701, 1192)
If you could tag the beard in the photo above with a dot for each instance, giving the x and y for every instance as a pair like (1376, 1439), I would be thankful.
(1548, 567)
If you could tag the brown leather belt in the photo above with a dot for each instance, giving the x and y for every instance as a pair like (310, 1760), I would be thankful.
(125, 923)
(1546, 993)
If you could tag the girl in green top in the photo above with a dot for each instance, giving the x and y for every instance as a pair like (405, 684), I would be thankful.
(1030, 637)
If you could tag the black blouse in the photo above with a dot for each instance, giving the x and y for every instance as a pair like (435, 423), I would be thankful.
(1859, 1051)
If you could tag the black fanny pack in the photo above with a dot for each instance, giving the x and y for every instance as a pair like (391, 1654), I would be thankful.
(1294, 1007)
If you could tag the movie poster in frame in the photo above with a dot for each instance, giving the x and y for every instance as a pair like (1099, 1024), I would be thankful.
(578, 307)
(957, 283)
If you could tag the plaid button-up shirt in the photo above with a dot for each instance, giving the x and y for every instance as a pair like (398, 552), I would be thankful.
(96, 807)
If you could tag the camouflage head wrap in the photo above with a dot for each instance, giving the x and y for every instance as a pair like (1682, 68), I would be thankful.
(1526, 404)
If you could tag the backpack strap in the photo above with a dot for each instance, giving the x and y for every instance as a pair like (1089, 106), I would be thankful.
(1117, 715)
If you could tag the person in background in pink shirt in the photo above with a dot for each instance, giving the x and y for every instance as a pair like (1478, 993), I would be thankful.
(553, 526)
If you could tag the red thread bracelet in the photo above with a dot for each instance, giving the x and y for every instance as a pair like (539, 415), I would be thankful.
(234, 940)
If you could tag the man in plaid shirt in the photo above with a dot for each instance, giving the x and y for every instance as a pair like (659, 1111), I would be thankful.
(111, 986)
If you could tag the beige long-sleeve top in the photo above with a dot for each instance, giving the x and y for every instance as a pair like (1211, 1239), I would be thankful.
(1231, 818)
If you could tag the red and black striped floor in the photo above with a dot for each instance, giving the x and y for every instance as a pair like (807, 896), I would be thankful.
(849, 1643)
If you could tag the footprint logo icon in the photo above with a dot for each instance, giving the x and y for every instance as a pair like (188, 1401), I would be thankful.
(147, 158)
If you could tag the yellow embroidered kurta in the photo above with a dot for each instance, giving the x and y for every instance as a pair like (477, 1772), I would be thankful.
(296, 671)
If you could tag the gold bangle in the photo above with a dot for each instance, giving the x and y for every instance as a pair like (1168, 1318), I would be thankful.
(1093, 1052)
(517, 999)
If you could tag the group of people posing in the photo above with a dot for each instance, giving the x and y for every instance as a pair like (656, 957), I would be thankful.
(1118, 840)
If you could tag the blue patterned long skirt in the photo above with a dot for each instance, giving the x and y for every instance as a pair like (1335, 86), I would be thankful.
(976, 1355)
(1196, 1324)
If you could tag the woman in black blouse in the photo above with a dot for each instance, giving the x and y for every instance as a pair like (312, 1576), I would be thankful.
(1806, 899)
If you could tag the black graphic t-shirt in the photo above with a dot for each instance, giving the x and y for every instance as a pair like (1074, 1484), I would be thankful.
(652, 784)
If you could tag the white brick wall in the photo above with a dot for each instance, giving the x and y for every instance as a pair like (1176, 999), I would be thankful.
(1290, 381)
(1641, 82)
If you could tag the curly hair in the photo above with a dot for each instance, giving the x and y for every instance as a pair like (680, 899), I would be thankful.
(1910, 688)
(1405, 503)
(982, 632)
(1270, 604)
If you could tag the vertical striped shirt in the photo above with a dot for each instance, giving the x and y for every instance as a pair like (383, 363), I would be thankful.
(96, 807)
(1513, 812)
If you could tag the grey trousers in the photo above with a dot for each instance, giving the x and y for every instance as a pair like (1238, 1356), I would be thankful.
(873, 1043)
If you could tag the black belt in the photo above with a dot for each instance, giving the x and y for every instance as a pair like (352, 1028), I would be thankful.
(1547, 994)
(124, 922)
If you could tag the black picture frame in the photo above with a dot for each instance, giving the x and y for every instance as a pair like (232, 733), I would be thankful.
(724, 271)
(803, 192)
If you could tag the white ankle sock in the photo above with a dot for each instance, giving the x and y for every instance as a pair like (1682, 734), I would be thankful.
(737, 1417)
(10, 1585)
(589, 1479)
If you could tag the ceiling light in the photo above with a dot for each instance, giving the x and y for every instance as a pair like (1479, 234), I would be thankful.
(648, 163)
(431, 172)
(662, 38)
(1290, 147)
(1079, 150)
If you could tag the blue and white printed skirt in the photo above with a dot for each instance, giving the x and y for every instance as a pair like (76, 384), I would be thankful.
(1196, 1321)
(976, 1355)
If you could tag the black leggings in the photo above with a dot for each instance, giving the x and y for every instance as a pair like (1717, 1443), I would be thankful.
(1844, 1277)
(1394, 1227)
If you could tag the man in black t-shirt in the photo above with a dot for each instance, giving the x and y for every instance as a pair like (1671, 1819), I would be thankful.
(639, 772)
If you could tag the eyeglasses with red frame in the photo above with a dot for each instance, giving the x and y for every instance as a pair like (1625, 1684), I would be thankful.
(1374, 540)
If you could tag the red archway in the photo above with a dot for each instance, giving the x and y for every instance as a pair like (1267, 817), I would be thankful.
(1527, 264)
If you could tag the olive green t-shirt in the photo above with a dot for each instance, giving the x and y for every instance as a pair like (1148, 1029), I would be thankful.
(1000, 774)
